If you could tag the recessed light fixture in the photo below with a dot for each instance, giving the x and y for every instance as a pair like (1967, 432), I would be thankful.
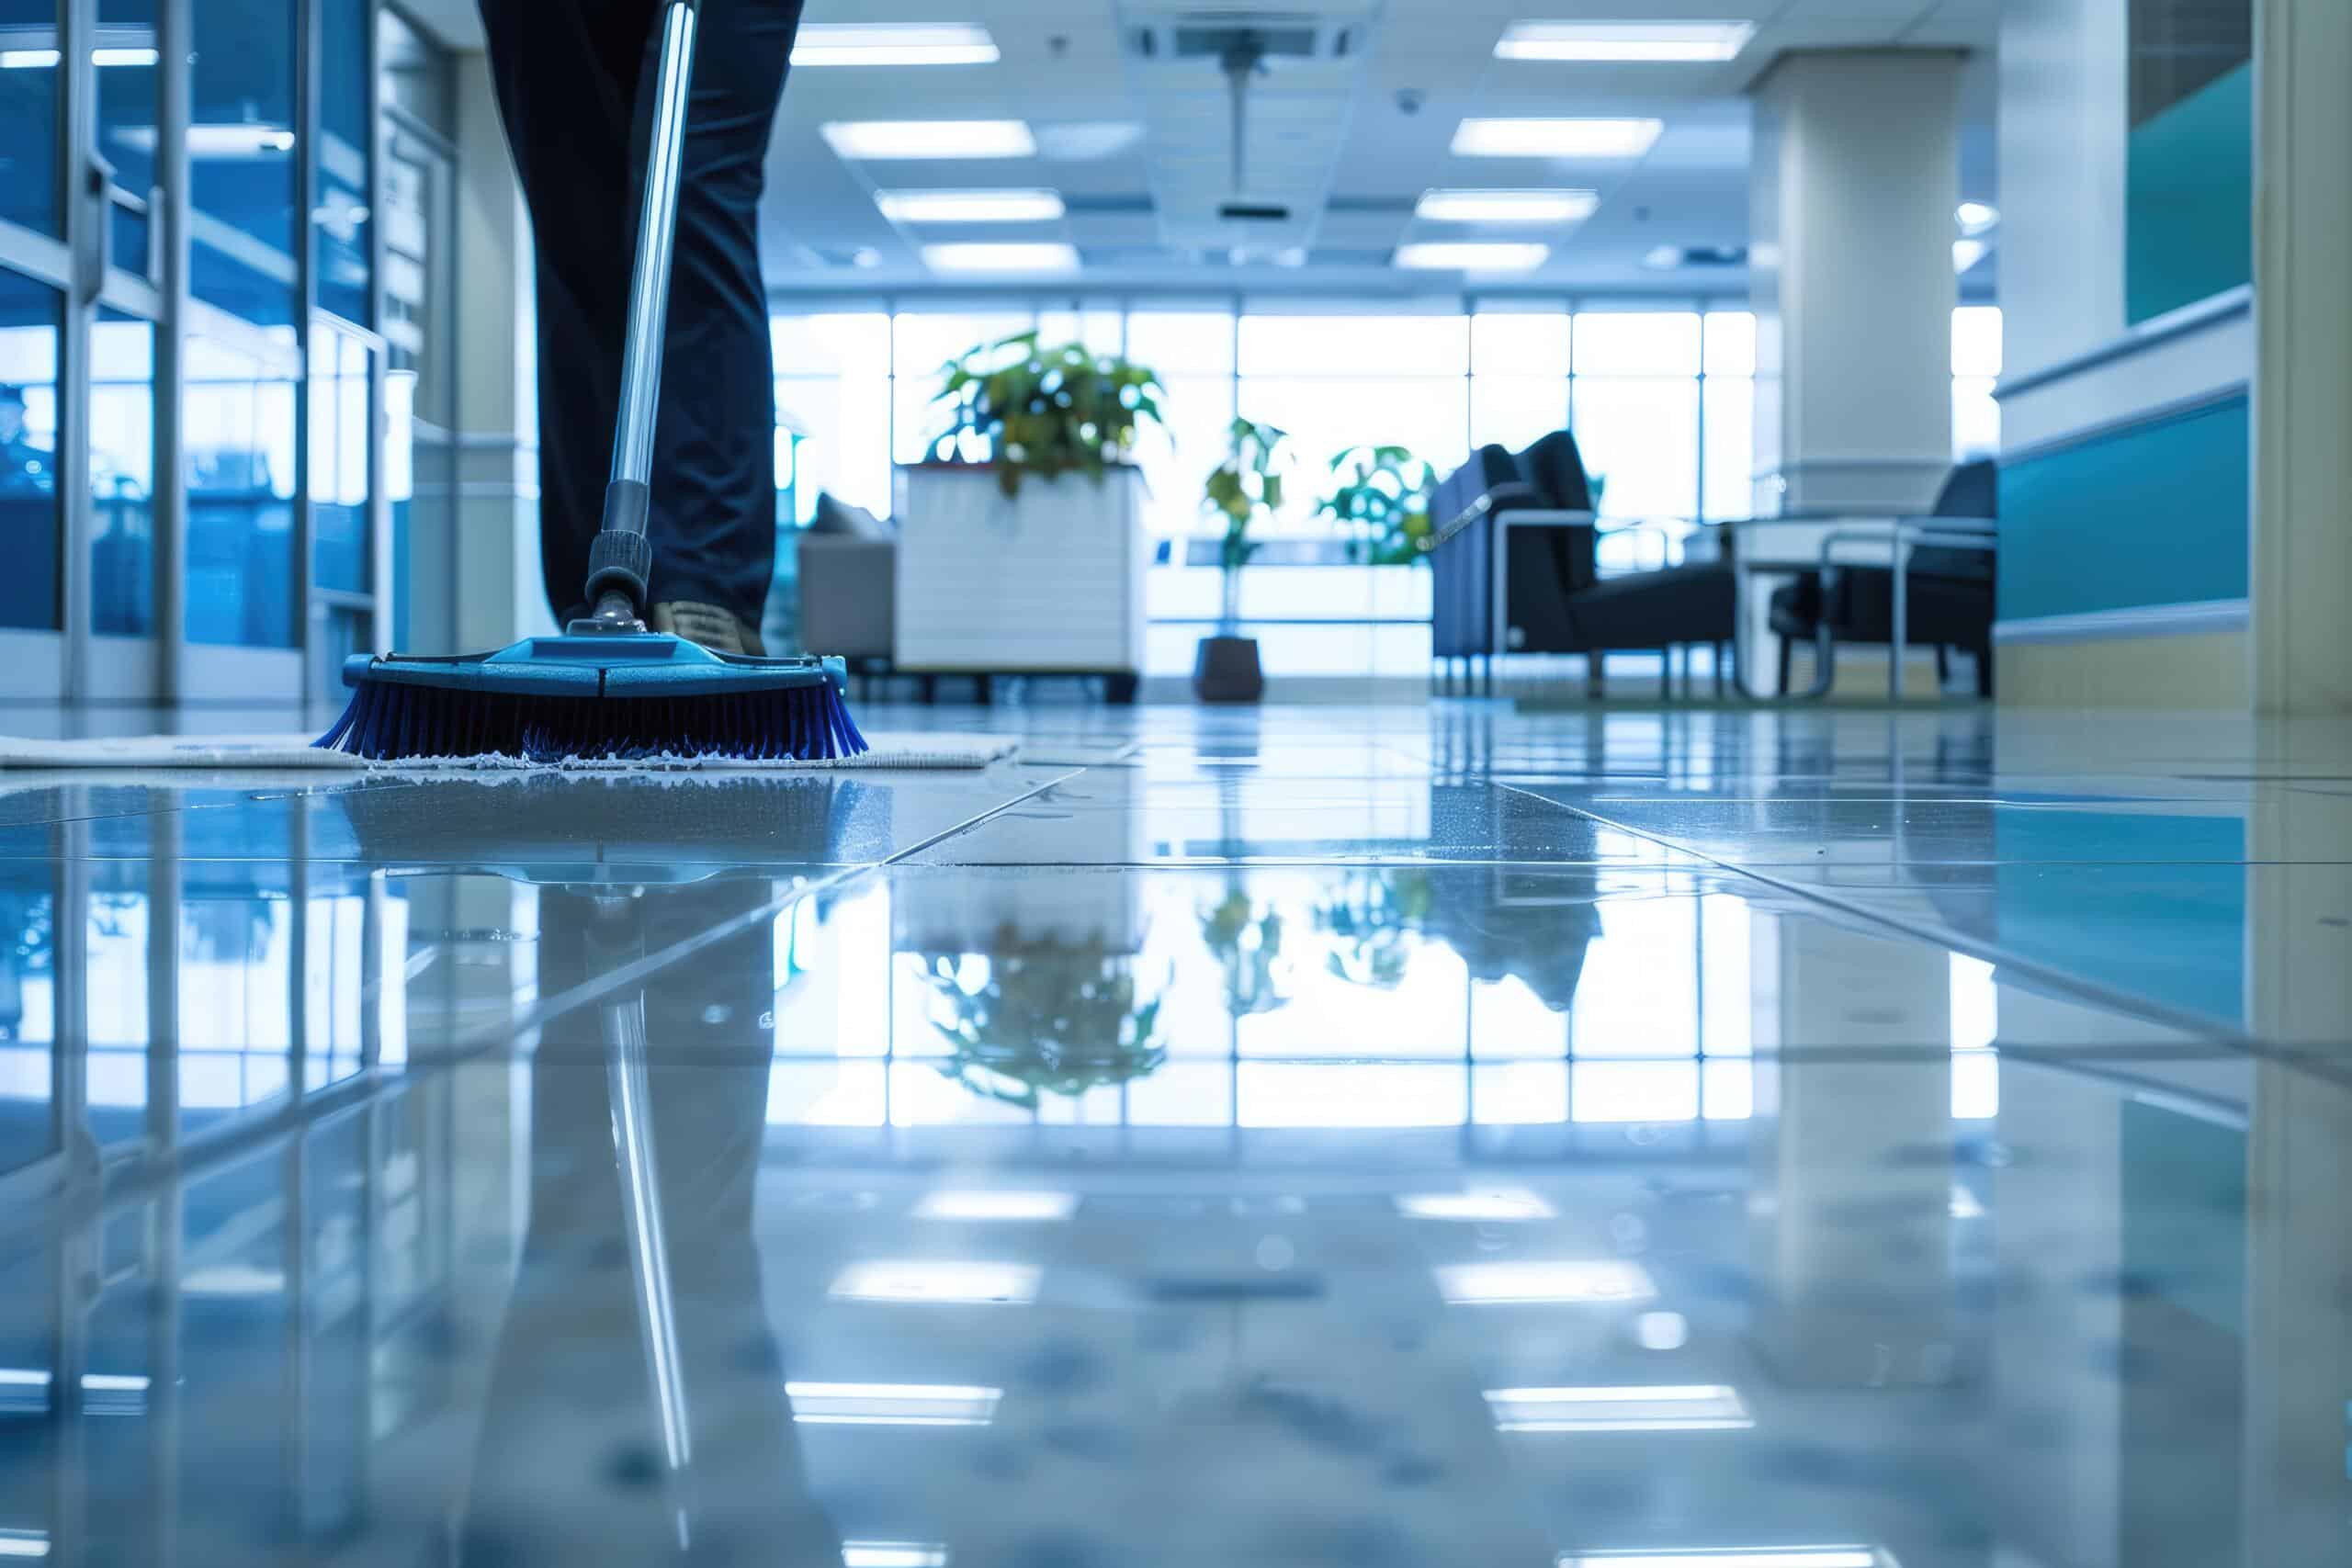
(1737, 1557)
(1600, 1281)
(1043, 256)
(891, 1404)
(24, 1543)
(1686, 41)
(1473, 257)
(884, 139)
(1966, 254)
(1506, 205)
(1555, 138)
(1662, 258)
(1700, 1407)
(1975, 216)
(982, 1203)
(937, 1280)
(969, 206)
(892, 43)
(1661, 1331)
(892, 1554)
(1499, 1205)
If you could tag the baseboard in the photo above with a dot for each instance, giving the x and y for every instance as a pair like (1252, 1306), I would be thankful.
(2201, 617)
(2174, 670)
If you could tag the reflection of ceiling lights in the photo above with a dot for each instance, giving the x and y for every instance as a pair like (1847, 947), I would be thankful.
(1737, 1557)
(48, 59)
(891, 1404)
(1506, 205)
(969, 206)
(1966, 254)
(1661, 1331)
(1500, 1206)
(219, 141)
(883, 139)
(1662, 258)
(1698, 41)
(891, 43)
(1696, 1408)
(1473, 257)
(1596, 1281)
(1975, 216)
(984, 1204)
(1555, 138)
(937, 1280)
(892, 1555)
(24, 1543)
(1041, 257)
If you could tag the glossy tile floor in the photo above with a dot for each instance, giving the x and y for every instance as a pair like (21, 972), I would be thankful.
(1401, 1137)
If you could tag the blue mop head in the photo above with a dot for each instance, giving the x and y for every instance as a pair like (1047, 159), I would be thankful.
(603, 698)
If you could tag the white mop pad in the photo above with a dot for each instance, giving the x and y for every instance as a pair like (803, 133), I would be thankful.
(887, 750)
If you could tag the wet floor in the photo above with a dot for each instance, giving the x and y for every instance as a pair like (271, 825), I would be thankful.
(1322, 1136)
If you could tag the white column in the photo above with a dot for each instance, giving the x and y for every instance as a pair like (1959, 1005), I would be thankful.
(1856, 173)
(2064, 83)
(2302, 395)
(494, 593)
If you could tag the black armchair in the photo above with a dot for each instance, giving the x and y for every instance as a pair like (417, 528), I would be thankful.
(1950, 598)
(1534, 509)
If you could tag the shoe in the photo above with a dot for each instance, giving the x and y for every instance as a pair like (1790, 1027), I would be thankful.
(708, 625)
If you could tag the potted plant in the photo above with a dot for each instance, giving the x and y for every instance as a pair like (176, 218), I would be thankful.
(1006, 564)
(1244, 487)
(1044, 411)
(1382, 500)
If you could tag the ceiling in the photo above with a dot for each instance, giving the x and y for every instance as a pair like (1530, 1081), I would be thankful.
(1123, 141)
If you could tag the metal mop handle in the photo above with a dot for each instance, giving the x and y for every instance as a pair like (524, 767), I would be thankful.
(620, 562)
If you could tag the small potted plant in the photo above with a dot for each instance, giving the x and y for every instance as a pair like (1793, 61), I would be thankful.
(1241, 489)
(1382, 500)
(1044, 411)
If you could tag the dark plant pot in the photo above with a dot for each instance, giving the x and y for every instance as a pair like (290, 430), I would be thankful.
(1226, 670)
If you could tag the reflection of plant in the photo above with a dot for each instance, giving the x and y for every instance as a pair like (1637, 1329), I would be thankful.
(1241, 488)
(1384, 503)
(1376, 918)
(1248, 946)
(1045, 411)
(1050, 1018)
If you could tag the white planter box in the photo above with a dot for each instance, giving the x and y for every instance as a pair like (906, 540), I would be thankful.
(1052, 580)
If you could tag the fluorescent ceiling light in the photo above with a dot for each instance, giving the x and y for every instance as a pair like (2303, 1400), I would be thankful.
(892, 1555)
(969, 206)
(1597, 1280)
(1506, 205)
(125, 56)
(882, 140)
(1740, 1557)
(1624, 41)
(1555, 138)
(1502, 1205)
(1473, 257)
(1701, 1407)
(982, 1203)
(1975, 216)
(24, 1543)
(892, 43)
(50, 59)
(937, 1280)
(1662, 258)
(891, 1404)
(1966, 254)
(1040, 257)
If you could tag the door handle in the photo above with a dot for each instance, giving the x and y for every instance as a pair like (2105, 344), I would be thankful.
(97, 256)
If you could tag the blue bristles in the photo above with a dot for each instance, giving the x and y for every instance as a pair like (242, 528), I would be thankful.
(389, 719)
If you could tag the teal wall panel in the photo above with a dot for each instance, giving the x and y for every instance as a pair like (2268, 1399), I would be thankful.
(2154, 515)
(2188, 208)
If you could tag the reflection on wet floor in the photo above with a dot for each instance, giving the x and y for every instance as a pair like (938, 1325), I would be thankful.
(1427, 1138)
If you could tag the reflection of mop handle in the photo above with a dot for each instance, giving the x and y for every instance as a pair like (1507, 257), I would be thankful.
(649, 1251)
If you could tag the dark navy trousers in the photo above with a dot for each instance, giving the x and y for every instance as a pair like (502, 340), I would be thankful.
(575, 82)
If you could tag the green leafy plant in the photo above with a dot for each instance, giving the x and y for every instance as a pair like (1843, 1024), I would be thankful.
(1247, 944)
(1245, 487)
(1044, 413)
(1051, 1018)
(1382, 500)
(1375, 920)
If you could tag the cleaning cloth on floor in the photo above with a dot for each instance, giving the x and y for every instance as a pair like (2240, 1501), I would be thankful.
(901, 750)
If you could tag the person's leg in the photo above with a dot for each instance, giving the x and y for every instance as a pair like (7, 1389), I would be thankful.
(714, 465)
(566, 74)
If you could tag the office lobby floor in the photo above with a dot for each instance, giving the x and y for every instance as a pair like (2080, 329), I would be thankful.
(1334, 1135)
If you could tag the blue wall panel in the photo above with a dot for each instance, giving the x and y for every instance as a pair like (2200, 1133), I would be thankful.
(2155, 514)
(2188, 225)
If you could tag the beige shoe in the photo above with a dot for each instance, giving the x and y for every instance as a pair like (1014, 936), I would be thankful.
(708, 625)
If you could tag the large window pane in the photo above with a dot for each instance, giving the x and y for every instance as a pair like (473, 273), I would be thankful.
(1640, 440)
(1520, 342)
(1731, 447)
(129, 86)
(31, 519)
(1976, 339)
(339, 546)
(1176, 462)
(832, 392)
(122, 474)
(1515, 411)
(1177, 343)
(1355, 345)
(241, 472)
(241, 153)
(28, 99)
(1731, 343)
(340, 219)
(1637, 342)
(1325, 415)
(923, 343)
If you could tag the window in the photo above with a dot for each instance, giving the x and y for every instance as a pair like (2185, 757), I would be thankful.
(241, 154)
(1975, 367)
(30, 90)
(31, 316)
